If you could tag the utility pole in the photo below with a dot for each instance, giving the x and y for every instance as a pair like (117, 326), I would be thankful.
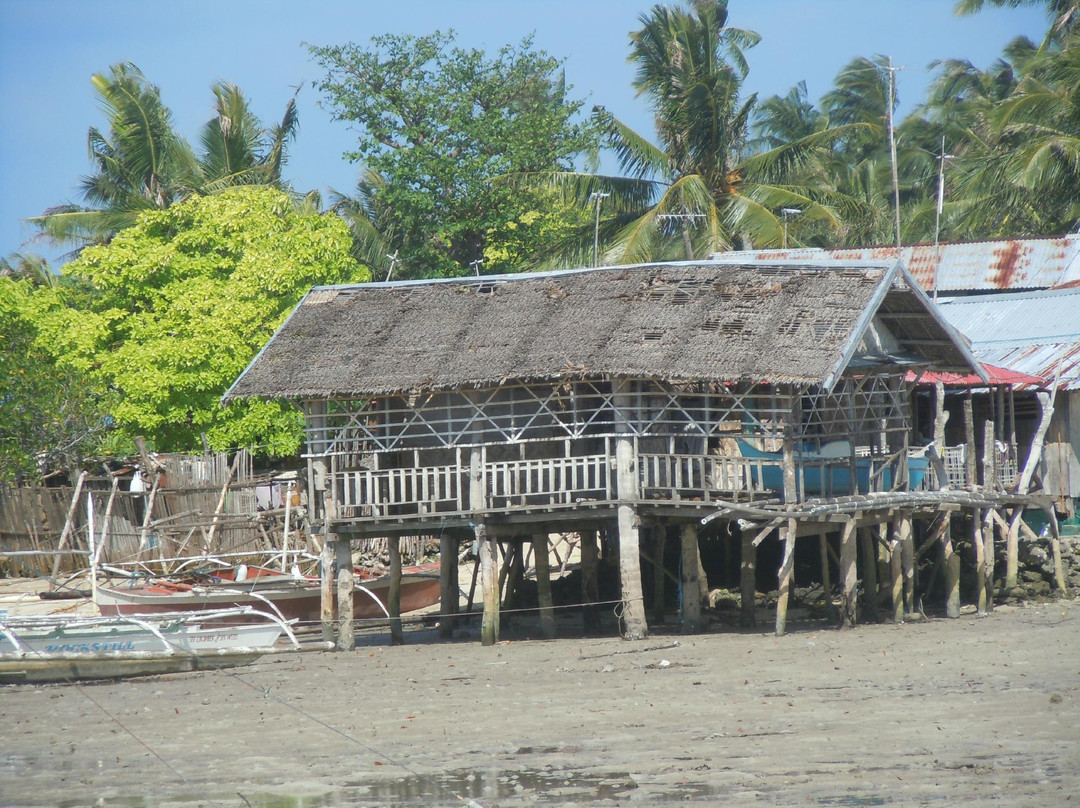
(596, 197)
(890, 102)
(940, 206)
(393, 261)
(785, 214)
(476, 265)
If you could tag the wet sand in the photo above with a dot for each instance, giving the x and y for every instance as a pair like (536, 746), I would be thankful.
(978, 711)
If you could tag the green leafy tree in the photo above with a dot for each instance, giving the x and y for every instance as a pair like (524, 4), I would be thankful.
(440, 129)
(183, 301)
(50, 416)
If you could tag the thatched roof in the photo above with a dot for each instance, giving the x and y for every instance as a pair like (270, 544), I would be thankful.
(715, 321)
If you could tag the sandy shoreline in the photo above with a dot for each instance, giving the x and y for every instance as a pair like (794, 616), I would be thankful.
(979, 711)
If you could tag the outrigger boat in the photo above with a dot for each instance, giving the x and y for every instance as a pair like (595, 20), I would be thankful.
(52, 648)
(290, 596)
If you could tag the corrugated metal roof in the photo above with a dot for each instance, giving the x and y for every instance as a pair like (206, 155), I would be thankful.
(968, 266)
(1030, 332)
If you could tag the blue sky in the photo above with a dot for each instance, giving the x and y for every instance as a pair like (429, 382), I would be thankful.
(50, 48)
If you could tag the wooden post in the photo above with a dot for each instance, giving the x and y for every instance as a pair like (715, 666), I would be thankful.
(635, 626)
(952, 571)
(690, 594)
(69, 524)
(970, 468)
(870, 585)
(543, 584)
(1038, 439)
(748, 581)
(327, 583)
(980, 557)
(826, 577)
(989, 464)
(896, 571)
(220, 503)
(848, 574)
(514, 572)
(345, 592)
(659, 595)
(393, 599)
(787, 567)
(987, 580)
(1055, 550)
(448, 584)
(488, 551)
(590, 588)
(907, 561)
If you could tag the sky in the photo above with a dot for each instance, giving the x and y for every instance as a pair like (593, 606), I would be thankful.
(49, 49)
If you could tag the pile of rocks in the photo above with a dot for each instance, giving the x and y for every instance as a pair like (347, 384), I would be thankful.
(1035, 577)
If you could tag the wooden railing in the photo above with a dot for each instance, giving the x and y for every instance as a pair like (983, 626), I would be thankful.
(550, 481)
(415, 491)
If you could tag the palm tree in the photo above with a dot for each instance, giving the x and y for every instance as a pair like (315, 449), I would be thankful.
(142, 163)
(1065, 14)
(700, 189)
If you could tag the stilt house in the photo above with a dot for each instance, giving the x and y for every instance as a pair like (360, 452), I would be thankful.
(606, 399)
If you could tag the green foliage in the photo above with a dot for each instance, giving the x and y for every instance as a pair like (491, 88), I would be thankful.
(183, 301)
(49, 415)
(439, 128)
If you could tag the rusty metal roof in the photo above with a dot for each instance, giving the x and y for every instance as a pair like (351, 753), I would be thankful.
(1030, 332)
(967, 266)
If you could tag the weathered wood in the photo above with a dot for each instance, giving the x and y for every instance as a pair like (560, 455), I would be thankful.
(980, 558)
(448, 585)
(221, 501)
(951, 560)
(869, 565)
(393, 599)
(826, 577)
(987, 579)
(590, 588)
(690, 594)
(748, 582)
(787, 567)
(907, 560)
(327, 587)
(848, 574)
(1012, 548)
(543, 584)
(1055, 550)
(970, 468)
(989, 464)
(346, 591)
(487, 547)
(896, 572)
(69, 523)
(514, 570)
(635, 626)
(144, 531)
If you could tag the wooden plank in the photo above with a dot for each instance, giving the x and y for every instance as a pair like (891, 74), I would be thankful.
(690, 599)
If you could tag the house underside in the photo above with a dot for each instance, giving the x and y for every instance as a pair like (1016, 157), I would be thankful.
(771, 400)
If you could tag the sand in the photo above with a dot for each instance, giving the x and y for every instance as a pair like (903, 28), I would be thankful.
(974, 711)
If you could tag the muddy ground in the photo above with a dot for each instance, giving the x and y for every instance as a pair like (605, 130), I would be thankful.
(975, 711)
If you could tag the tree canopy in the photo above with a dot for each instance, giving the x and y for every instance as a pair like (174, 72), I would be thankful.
(182, 302)
(439, 126)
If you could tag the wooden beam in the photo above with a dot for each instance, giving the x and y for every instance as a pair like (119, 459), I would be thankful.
(488, 551)
(635, 626)
(448, 584)
(896, 571)
(826, 577)
(951, 560)
(980, 558)
(590, 589)
(869, 576)
(327, 586)
(907, 560)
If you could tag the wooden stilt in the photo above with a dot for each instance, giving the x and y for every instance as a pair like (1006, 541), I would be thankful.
(907, 560)
(635, 626)
(703, 579)
(952, 571)
(988, 529)
(1055, 551)
(1012, 548)
(346, 639)
(448, 587)
(980, 557)
(659, 595)
(848, 574)
(487, 547)
(826, 577)
(515, 568)
(590, 588)
(896, 572)
(748, 581)
(869, 565)
(787, 567)
(393, 602)
(690, 600)
(543, 584)
(328, 577)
